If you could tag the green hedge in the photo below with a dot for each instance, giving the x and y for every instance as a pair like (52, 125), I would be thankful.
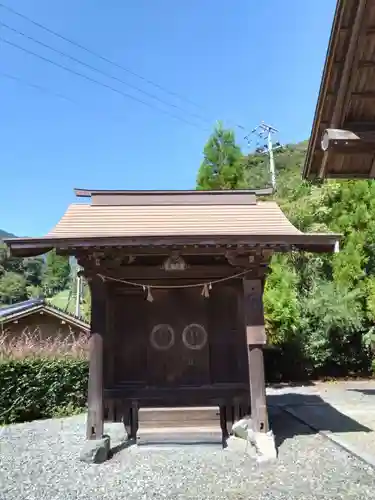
(34, 388)
(37, 388)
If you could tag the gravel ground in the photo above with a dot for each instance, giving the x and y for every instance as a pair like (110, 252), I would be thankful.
(344, 408)
(38, 461)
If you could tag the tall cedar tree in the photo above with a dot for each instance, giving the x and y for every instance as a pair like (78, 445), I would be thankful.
(221, 166)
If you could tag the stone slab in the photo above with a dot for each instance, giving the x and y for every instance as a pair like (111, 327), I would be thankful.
(96, 451)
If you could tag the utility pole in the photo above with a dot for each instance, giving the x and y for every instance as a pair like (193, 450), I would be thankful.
(78, 293)
(265, 132)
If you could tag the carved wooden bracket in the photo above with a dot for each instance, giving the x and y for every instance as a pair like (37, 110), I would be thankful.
(239, 260)
(260, 257)
(267, 254)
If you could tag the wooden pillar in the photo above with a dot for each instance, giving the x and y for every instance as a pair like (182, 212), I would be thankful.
(223, 421)
(95, 417)
(131, 420)
(255, 339)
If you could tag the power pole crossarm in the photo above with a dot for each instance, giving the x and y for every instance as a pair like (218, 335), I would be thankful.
(266, 132)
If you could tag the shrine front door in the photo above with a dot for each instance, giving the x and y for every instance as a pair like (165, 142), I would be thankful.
(178, 343)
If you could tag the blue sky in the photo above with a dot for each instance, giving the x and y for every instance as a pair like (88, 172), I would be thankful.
(242, 62)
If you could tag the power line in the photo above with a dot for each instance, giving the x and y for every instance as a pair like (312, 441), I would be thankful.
(103, 58)
(36, 86)
(48, 91)
(107, 60)
(94, 68)
(97, 82)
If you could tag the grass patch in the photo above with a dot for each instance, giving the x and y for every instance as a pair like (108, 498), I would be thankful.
(63, 300)
(33, 345)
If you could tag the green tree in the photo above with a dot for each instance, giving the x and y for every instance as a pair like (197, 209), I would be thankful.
(15, 272)
(86, 302)
(333, 327)
(320, 308)
(256, 171)
(281, 302)
(34, 292)
(56, 273)
(13, 264)
(221, 167)
(33, 270)
(12, 287)
(3, 258)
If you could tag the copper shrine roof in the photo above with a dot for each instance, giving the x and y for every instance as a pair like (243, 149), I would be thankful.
(116, 218)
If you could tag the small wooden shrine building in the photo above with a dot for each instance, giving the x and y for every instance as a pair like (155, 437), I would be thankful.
(176, 280)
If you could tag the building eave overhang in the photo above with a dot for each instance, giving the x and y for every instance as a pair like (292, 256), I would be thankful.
(318, 242)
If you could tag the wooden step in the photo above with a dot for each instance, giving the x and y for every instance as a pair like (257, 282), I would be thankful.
(181, 436)
(179, 417)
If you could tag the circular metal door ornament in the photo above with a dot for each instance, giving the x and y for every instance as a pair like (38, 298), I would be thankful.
(162, 337)
(194, 336)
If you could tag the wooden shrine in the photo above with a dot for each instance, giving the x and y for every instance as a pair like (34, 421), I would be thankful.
(176, 280)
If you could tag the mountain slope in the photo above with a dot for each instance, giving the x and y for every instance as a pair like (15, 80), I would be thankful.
(5, 234)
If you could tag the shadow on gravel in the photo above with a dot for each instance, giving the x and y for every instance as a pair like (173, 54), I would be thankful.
(311, 414)
(366, 392)
(285, 427)
(122, 446)
(283, 385)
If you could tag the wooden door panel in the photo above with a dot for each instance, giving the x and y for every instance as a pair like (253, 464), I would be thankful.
(161, 338)
(130, 329)
(191, 309)
(185, 359)
(181, 338)
(228, 355)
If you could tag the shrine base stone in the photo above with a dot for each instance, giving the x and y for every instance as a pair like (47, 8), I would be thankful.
(263, 442)
(96, 451)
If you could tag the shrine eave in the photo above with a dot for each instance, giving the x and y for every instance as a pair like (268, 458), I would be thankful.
(317, 243)
(342, 141)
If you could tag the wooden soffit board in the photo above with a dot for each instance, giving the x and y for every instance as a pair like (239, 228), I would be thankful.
(319, 243)
(346, 100)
